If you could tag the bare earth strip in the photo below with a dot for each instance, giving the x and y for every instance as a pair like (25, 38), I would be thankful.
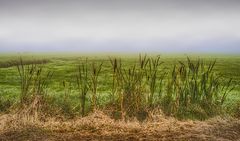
(98, 126)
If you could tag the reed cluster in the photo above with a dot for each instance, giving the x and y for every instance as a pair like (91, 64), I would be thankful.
(194, 90)
(34, 85)
(191, 89)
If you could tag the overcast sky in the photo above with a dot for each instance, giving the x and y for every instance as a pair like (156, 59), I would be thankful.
(120, 25)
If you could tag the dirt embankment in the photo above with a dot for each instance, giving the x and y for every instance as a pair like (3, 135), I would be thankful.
(98, 126)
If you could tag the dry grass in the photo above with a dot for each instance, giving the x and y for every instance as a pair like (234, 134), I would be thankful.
(98, 126)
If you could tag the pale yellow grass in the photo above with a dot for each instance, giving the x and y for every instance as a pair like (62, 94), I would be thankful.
(98, 126)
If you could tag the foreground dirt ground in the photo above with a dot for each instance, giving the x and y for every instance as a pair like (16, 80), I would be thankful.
(98, 126)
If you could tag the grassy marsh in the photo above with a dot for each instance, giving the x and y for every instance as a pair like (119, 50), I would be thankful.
(128, 84)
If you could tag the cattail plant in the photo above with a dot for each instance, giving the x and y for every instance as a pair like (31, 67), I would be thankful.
(143, 61)
(195, 88)
(94, 75)
(66, 106)
(116, 67)
(26, 74)
(41, 82)
(133, 87)
(131, 100)
(117, 88)
(83, 84)
(34, 85)
(152, 78)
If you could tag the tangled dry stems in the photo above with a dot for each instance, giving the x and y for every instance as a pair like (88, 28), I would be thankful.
(99, 126)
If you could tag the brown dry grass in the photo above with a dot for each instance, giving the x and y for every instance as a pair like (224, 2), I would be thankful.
(98, 126)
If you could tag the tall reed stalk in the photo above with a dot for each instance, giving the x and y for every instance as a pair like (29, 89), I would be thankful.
(83, 84)
(94, 76)
(152, 78)
(116, 81)
(26, 74)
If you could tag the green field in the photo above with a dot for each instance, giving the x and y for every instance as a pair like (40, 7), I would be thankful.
(63, 88)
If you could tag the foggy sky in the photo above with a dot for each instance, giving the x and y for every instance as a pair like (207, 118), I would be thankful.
(120, 25)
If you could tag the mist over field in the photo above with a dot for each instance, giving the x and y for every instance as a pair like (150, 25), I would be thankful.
(120, 26)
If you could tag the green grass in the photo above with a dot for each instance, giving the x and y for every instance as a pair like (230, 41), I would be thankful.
(65, 70)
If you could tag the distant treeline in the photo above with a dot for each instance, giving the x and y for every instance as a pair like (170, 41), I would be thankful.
(12, 63)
